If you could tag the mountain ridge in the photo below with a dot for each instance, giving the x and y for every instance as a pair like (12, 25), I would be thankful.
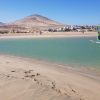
(1, 23)
(30, 24)
(36, 20)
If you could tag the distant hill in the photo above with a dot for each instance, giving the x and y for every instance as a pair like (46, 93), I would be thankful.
(36, 21)
(1, 24)
(30, 24)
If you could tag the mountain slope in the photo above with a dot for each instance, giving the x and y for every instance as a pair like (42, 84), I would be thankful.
(1, 23)
(36, 20)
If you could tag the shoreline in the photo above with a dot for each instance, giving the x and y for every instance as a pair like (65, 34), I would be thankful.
(48, 35)
(85, 71)
(53, 79)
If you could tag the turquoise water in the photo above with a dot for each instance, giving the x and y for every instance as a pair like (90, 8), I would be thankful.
(72, 51)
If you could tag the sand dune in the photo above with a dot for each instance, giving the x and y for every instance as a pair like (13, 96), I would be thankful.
(26, 79)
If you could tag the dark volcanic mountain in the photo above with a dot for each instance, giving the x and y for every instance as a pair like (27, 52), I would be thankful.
(35, 21)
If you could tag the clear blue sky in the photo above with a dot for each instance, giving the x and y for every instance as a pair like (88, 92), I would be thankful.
(65, 11)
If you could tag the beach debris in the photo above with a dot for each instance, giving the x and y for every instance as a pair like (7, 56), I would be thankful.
(30, 76)
(29, 71)
(82, 99)
(12, 71)
(58, 90)
(35, 79)
(73, 91)
(53, 85)
(8, 75)
(37, 74)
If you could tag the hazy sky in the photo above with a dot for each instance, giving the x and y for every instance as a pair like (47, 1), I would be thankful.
(65, 11)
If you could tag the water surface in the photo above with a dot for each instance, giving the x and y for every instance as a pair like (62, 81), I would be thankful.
(73, 51)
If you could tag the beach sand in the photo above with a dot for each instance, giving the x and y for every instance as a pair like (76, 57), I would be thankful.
(27, 79)
(47, 35)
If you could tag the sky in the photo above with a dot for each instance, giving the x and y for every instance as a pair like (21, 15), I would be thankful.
(73, 12)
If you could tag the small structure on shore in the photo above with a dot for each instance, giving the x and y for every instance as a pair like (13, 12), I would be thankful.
(98, 29)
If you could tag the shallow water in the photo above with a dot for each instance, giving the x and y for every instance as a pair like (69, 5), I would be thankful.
(73, 51)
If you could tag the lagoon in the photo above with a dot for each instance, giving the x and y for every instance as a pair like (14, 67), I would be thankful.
(73, 51)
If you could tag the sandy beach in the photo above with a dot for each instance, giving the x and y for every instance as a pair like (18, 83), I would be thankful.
(28, 79)
(49, 50)
(47, 35)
